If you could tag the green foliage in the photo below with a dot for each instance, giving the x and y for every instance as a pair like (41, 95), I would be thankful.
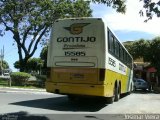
(17, 65)
(41, 77)
(43, 56)
(146, 49)
(80, 9)
(4, 65)
(30, 21)
(33, 64)
(3, 82)
(19, 78)
(151, 9)
(41, 80)
(119, 5)
(153, 52)
(138, 48)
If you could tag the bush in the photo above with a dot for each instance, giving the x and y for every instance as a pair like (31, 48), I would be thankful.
(3, 82)
(19, 78)
(41, 80)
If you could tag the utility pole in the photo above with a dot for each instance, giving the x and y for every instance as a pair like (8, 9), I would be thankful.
(2, 57)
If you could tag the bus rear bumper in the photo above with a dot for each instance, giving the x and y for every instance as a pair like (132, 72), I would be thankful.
(78, 89)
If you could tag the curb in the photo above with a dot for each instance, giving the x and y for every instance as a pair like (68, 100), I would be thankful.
(22, 90)
(27, 89)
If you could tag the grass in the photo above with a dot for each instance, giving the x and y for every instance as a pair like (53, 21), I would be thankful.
(26, 87)
(4, 83)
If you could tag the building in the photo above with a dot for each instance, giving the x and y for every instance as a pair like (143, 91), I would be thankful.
(145, 71)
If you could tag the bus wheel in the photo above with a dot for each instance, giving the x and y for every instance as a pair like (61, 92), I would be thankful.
(109, 100)
(116, 93)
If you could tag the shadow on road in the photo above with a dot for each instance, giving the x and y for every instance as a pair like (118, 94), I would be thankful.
(63, 104)
(22, 116)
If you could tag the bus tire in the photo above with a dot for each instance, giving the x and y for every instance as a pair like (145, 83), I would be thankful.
(116, 93)
(109, 100)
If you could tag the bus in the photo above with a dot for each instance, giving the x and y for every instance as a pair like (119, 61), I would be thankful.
(85, 58)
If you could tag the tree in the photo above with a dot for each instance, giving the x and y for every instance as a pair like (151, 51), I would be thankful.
(148, 50)
(33, 64)
(17, 65)
(4, 64)
(153, 53)
(119, 5)
(129, 46)
(30, 21)
(43, 56)
(138, 49)
(151, 9)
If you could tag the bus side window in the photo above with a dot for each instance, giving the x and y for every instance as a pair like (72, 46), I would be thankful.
(117, 49)
(114, 45)
(109, 41)
(121, 53)
(124, 56)
(128, 60)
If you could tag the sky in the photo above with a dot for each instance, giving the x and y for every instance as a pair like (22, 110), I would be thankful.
(127, 27)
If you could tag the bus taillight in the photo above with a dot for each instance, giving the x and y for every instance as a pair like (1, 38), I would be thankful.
(102, 74)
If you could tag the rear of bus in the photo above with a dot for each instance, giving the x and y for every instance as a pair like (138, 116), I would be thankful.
(76, 57)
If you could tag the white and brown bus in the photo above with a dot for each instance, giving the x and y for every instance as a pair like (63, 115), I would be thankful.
(85, 58)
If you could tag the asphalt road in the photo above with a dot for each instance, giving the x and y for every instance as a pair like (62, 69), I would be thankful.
(44, 106)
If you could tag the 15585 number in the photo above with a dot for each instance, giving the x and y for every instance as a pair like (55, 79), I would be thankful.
(75, 53)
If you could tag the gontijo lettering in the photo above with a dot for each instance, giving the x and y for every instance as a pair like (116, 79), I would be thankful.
(76, 39)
